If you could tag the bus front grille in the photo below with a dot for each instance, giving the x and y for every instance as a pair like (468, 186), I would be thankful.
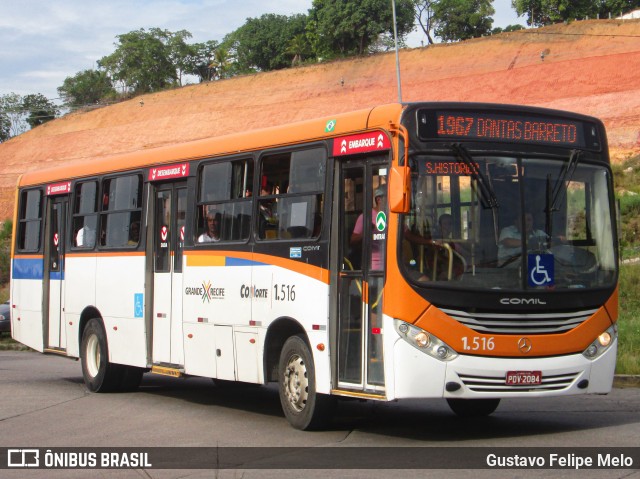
(492, 384)
(524, 324)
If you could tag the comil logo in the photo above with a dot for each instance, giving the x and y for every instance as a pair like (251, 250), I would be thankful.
(23, 458)
(522, 301)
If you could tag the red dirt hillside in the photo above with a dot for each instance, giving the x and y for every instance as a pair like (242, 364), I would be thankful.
(590, 67)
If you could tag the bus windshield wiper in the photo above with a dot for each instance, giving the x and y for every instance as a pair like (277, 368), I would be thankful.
(484, 185)
(556, 195)
(565, 177)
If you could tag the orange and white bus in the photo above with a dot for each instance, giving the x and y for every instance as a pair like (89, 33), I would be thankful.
(487, 270)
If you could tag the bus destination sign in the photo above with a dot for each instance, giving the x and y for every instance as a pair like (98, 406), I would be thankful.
(170, 172)
(362, 143)
(502, 127)
(59, 189)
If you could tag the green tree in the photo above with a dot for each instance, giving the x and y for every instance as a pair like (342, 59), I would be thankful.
(298, 48)
(545, 12)
(12, 112)
(87, 87)
(616, 7)
(6, 231)
(202, 62)
(38, 109)
(222, 63)
(5, 127)
(350, 27)
(424, 17)
(181, 55)
(462, 19)
(142, 61)
(261, 43)
(508, 28)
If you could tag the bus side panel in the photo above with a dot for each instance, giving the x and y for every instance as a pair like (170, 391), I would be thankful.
(302, 298)
(247, 356)
(80, 292)
(26, 295)
(199, 349)
(119, 282)
(216, 293)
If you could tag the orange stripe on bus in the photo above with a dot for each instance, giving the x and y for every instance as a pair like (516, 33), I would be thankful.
(206, 258)
(314, 272)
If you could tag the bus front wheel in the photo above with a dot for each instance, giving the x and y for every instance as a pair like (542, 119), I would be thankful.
(99, 374)
(302, 406)
(473, 407)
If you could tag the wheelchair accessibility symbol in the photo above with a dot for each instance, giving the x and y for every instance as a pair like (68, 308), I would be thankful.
(541, 271)
(138, 305)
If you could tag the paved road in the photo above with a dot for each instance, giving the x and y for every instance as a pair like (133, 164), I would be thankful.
(43, 403)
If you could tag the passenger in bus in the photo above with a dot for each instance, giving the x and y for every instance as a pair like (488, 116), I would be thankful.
(212, 233)
(444, 236)
(134, 234)
(268, 226)
(267, 206)
(357, 234)
(86, 237)
(510, 241)
(445, 227)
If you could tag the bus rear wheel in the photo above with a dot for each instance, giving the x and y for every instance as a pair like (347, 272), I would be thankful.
(99, 374)
(473, 407)
(303, 407)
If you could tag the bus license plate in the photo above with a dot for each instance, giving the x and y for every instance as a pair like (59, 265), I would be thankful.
(523, 378)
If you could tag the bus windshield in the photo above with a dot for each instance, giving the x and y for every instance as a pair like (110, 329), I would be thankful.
(509, 222)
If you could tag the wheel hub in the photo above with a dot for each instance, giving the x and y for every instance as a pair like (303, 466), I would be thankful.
(93, 356)
(296, 383)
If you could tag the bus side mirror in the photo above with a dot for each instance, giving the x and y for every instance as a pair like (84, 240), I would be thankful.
(399, 194)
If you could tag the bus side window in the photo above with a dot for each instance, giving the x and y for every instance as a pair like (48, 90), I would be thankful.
(85, 214)
(30, 220)
(225, 195)
(292, 194)
(124, 207)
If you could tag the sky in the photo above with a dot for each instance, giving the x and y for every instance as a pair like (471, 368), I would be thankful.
(42, 42)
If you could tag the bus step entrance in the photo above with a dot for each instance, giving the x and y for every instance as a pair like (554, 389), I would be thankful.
(167, 371)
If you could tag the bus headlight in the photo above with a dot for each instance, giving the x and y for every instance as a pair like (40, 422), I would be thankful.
(601, 344)
(605, 339)
(425, 341)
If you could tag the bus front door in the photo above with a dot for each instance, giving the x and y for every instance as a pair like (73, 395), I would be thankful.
(168, 245)
(55, 331)
(363, 232)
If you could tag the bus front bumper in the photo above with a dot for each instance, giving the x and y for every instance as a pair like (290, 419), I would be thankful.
(417, 375)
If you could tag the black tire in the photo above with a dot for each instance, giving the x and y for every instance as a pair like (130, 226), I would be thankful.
(473, 407)
(303, 407)
(228, 385)
(130, 378)
(100, 376)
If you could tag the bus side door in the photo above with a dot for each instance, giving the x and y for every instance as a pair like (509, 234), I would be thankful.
(361, 273)
(168, 246)
(55, 331)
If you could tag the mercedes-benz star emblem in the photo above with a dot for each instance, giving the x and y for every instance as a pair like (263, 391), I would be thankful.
(524, 345)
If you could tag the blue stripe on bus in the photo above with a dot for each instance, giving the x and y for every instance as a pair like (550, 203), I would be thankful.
(56, 276)
(241, 262)
(28, 268)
